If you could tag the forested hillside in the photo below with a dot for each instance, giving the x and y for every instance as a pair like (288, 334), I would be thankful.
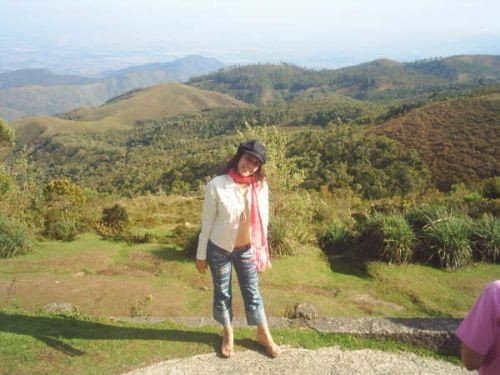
(377, 80)
(458, 139)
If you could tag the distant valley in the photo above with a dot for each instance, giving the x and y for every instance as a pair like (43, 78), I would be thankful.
(40, 92)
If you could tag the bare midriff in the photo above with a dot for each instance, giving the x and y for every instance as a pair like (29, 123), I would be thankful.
(243, 236)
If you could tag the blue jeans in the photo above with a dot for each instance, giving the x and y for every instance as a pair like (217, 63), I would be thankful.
(221, 264)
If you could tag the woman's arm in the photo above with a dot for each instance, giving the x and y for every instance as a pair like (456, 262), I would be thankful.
(207, 222)
(471, 359)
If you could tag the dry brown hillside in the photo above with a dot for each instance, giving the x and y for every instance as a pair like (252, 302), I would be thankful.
(459, 139)
(155, 103)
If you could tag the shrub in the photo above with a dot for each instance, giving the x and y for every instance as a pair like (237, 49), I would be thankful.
(60, 226)
(115, 218)
(14, 239)
(447, 240)
(336, 238)
(63, 230)
(491, 188)
(486, 238)
(186, 237)
(279, 239)
(5, 182)
(389, 237)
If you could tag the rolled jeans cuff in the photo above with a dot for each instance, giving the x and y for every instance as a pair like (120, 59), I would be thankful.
(256, 317)
(224, 317)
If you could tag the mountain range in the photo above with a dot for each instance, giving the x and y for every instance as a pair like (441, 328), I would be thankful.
(379, 80)
(446, 110)
(40, 92)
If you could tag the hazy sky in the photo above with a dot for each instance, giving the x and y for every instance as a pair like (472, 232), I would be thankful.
(287, 26)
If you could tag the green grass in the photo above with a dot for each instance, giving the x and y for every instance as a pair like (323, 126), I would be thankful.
(106, 278)
(40, 344)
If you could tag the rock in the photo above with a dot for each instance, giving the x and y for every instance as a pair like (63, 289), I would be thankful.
(61, 308)
(305, 311)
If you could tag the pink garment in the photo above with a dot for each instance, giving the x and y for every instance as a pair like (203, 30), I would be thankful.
(258, 237)
(480, 330)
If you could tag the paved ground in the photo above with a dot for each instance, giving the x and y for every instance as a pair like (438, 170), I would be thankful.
(302, 361)
(435, 333)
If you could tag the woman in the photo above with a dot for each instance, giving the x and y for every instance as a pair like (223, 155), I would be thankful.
(479, 332)
(234, 233)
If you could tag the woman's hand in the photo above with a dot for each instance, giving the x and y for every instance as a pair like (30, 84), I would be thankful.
(201, 265)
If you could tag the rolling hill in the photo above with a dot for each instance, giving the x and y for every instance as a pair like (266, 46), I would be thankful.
(39, 92)
(459, 139)
(377, 80)
(153, 103)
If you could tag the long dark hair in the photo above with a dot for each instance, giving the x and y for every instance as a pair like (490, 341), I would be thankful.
(233, 164)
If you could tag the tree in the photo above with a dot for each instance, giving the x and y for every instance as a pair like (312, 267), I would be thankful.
(7, 137)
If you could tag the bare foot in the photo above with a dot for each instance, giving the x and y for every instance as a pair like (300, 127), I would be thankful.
(272, 350)
(226, 347)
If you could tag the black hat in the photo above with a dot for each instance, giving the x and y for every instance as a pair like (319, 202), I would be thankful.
(254, 148)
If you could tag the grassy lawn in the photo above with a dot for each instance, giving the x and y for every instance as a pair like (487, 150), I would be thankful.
(44, 344)
(110, 279)
(104, 278)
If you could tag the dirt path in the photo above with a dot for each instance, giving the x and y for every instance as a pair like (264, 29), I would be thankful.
(303, 361)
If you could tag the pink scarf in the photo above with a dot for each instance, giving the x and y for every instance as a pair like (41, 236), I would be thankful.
(258, 237)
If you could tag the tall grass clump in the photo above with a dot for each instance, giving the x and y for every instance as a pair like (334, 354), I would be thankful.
(279, 239)
(419, 217)
(388, 237)
(336, 238)
(486, 238)
(14, 239)
(447, 241)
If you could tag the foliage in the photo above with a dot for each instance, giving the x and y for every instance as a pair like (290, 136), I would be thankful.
(63, 194)
(491, 188)
(280, 239)
(387, 237)
(5, 182)
(486, 238)
(64, 200)
(14, 238)
(115, 218)
(376, 80)
(336, 238)
(448, 241)
(7, 136)
(186, 238)
(424, 215)
(281, 169)
(456, 138)
(59, 226)
(343, 157)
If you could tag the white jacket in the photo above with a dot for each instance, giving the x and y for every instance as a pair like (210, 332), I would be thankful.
(222, 209)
